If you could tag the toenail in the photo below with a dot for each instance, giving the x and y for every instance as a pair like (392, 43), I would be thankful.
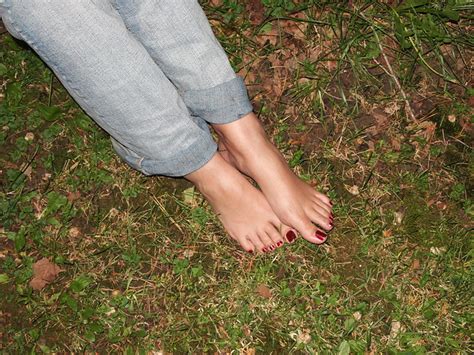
(331, 224)
(264, 250)
(272, 247)
(330, 202)
(321, 235)
(250, 251)
(279, 244)
(291, 236)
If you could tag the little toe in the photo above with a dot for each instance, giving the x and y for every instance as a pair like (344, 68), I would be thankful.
(247, 245)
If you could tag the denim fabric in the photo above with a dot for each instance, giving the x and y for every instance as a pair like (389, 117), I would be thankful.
(150, 73)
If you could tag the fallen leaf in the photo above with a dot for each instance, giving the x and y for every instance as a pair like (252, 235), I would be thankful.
(72, 196)
(303, 337)
(246, 330)
(188, 253)
(387, 233)
(190, 197)
(354, 190)
(256, 11)
(44, 272)
(395, 329)
(74, 232)
(398, 218)
(415, 265)
(264, 291)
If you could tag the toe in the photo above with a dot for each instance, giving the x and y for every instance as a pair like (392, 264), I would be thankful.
(289, 234)
(324, 199)
(310, 232)
(258, 246)
(321, 206)
(318, 218)
(267, 242)
(275, 236)
(306, 229)
(320, 237)
(247, 245)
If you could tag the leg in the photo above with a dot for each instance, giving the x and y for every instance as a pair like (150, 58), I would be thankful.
(212, 92)
(178, 37)
(115, 80)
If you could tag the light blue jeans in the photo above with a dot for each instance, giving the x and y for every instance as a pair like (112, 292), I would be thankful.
(151, 73)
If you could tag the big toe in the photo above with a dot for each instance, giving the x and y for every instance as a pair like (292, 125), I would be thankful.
(310, 232)
(289, 234)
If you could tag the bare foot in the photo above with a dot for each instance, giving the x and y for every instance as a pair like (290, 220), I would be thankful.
(242, 209)
(245, 145)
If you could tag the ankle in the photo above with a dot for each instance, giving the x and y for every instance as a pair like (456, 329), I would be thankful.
(237, 135)
(215, 177)
(205, 172)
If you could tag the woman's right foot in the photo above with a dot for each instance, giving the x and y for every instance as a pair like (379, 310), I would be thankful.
(242, 209)
(245, 145)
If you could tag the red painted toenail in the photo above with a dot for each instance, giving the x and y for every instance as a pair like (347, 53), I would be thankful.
(279, 244)
(264, 250)
(330, 202)
(331, 224)
(272, 247)
(291, 236)
(321, 235)
(250, 251)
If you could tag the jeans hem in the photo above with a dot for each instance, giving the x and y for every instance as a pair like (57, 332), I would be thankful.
(182, 163)
(224, 103)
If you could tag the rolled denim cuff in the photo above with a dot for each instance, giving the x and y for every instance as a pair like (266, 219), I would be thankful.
(220, 104)
(182, 163)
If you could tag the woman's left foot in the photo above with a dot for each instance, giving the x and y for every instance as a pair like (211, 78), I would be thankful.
(245, 145)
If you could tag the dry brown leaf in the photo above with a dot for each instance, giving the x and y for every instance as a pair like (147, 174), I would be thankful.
(271, 36)
(264, 291)
(44, 272)
(415, 265)
(74, 232)
(249, 351)
(72, 196)
(256, 11)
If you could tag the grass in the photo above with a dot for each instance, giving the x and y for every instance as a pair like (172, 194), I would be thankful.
(146, 265)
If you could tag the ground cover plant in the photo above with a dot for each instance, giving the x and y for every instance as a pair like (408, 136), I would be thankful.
(369, 101)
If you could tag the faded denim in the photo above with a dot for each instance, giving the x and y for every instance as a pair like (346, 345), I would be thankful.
(150, 73)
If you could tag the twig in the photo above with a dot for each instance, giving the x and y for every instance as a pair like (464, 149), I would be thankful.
(391, 73)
